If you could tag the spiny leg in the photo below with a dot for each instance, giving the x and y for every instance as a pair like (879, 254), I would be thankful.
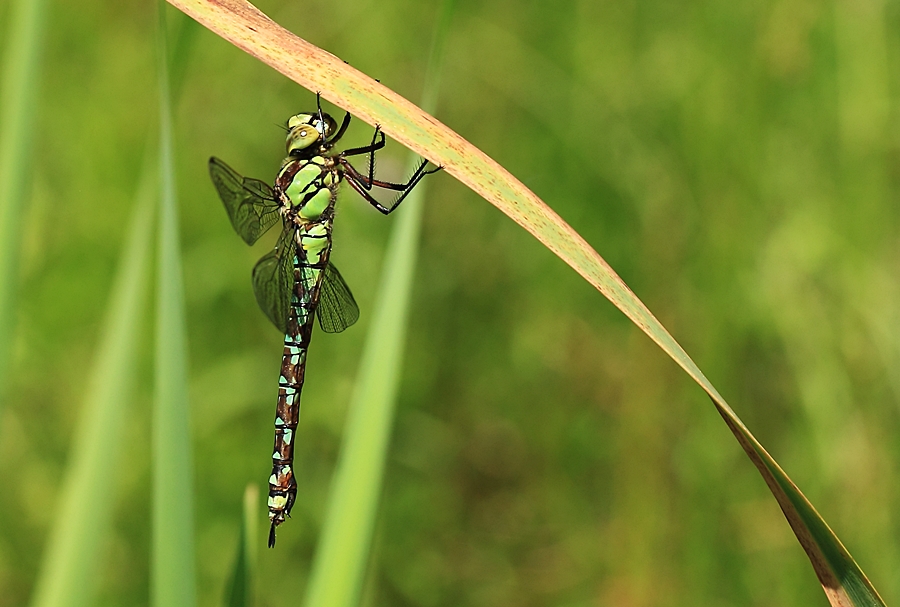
(371, 158)
(359, 183)
(369, 181)
(370, 150)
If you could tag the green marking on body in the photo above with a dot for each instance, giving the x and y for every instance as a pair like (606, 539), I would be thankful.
(316, 205)
(317, 230)
(295, 191)
(313, 247)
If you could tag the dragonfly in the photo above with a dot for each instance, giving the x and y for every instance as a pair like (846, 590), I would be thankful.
(296, 280)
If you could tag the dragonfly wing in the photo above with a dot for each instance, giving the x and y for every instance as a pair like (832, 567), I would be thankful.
(337, 309)
(273, 280)
(251, 203)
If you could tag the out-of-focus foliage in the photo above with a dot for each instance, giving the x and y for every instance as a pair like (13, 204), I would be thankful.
(173, 581)
(737, 164)
(19, 72)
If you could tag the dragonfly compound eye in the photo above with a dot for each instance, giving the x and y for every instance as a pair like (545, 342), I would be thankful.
(326, 127)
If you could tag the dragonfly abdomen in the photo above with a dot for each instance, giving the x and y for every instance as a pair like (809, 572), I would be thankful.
(308, 275)
(282, 485)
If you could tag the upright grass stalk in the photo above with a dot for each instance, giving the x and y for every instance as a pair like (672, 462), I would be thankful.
(18, 88)
(172, 574)
(339, 569)
(241, 587)
(70, 565)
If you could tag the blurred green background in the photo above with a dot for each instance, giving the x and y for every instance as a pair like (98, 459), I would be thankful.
(737, 163)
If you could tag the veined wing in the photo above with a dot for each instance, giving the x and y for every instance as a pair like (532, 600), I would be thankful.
(251, 203)
(273, 280)
(337, 309)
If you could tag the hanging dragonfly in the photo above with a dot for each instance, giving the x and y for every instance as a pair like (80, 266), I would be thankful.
(296, 281)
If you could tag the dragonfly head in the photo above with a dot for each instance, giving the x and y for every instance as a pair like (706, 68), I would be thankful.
(306, 129)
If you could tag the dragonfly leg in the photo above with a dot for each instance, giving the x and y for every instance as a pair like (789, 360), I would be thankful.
(368, 183)
(366, 195)
(362, 185)
(370, 149)
(371, 158)
(344, 124)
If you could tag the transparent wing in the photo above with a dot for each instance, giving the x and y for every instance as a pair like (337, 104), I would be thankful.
(273, 280)
(337, 309)
(251, 204)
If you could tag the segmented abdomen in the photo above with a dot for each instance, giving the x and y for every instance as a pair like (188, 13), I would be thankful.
(309, 264)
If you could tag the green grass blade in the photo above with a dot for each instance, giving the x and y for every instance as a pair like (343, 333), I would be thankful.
(317, 70)
(184, 34)
(85, 508)
(173, 583)
(240, 589)
(18, 89)
(340, 566)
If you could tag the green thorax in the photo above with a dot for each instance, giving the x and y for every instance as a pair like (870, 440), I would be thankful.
(310, 186)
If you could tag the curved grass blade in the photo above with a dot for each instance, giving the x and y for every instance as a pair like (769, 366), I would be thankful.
(18, 87)
(340, 566)
(85, 509)
(250, 30)
(172, 573)
(240, 592)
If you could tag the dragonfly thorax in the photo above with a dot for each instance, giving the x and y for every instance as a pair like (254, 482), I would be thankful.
(309, 186)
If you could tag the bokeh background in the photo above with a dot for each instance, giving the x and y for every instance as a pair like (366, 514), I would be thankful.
(736, 162)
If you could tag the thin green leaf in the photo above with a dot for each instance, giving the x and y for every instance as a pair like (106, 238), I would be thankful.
(249, 29)
(85, 509)
(184, 36)
(18, 89)
(339, 569)
(240, 588)
(173, 583)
